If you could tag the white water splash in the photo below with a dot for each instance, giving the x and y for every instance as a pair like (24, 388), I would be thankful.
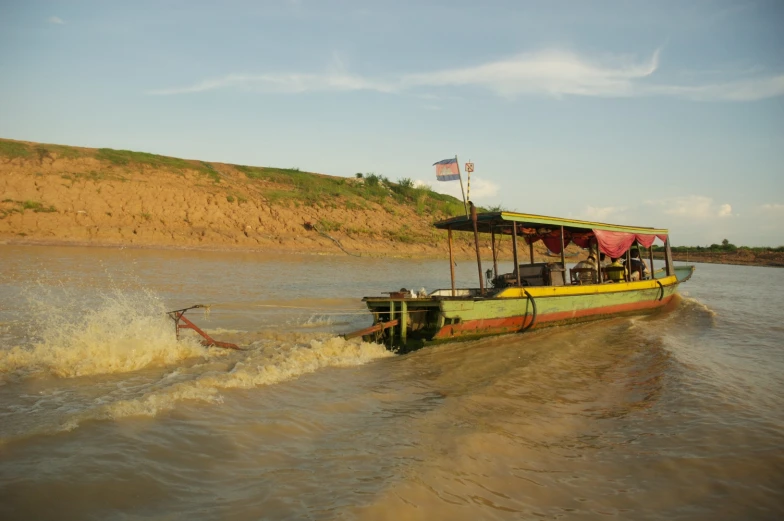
(694, 304)
(120, 332)
(274, 360)
(261, 367)
(294, 362)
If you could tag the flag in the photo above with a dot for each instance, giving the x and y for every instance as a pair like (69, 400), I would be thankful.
(447, 170)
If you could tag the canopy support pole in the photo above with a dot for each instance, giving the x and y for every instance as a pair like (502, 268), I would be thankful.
(563, 253)
(451, 260)
(460, 176)
(668, 257)
(531, 252)
(476, 245)
(403, 321)
(650, 257)
(495, 252)
(514, 252)
(598, 264)
(392, 319)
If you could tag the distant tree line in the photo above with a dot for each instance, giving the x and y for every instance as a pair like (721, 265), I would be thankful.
(725, 247)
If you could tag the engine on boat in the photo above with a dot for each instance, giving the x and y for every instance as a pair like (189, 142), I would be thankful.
(537, 274)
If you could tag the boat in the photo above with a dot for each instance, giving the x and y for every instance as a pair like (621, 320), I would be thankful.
(535, 294)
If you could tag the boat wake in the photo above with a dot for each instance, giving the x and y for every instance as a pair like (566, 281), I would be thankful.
(119, 358)
(264, 364)
(692, 305)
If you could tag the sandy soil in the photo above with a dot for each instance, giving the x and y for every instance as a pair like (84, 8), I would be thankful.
(66, 195)
(56, 199)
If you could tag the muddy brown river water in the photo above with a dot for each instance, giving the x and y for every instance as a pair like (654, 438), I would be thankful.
(103, 415)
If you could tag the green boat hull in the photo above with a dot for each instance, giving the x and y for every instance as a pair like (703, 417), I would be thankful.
(442, 317)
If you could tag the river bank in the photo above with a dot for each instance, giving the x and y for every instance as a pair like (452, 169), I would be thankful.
(55, 195)
(741, 257)
(59, 195)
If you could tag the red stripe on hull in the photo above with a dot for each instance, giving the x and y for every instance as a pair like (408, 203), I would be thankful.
(494, 326)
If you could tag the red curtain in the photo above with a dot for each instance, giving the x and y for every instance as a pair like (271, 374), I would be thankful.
(646, 240)
(553, 243)
(615, 244)
(583, 240)
(552, 239)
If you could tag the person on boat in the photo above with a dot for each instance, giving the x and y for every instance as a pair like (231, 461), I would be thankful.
(616, 271)
(586, 277)
(603, 262)
(639, 268)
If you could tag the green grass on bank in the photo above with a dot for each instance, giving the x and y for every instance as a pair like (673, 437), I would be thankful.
(120, 158)
(352, 193)
(12, 149)
(62, 151)
(41, 152)
(128, 158)
(10, 206)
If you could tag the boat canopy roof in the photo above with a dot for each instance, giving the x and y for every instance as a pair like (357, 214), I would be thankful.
(613, 239)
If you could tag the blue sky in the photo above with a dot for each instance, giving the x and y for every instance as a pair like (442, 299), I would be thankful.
(666, 114)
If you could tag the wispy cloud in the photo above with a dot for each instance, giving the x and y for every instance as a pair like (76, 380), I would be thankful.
(282, 83)
(481, 189)
(772, 209)
(693, 207)
(751, 89)
(602, 213)
(55, 20)
(549, 72)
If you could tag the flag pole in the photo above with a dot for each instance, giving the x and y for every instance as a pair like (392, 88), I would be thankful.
(465, 204)
(468, 184)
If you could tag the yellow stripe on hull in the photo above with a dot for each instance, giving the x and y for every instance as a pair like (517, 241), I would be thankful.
(588, 289)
